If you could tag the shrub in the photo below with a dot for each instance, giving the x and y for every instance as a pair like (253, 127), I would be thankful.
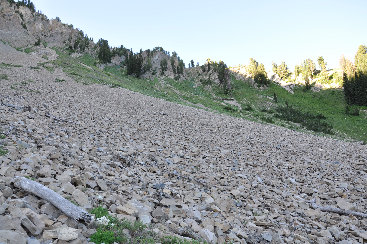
(104, 236)
(164, 66)
(352, 110)
(261, 79)
(38, 42)
(314, 122)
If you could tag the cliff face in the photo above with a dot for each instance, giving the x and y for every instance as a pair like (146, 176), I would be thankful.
(20, 27)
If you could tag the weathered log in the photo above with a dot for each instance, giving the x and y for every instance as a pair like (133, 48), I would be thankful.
(49, 195)
(336, 210)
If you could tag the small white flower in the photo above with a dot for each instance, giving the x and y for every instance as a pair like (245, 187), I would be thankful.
(103, 220)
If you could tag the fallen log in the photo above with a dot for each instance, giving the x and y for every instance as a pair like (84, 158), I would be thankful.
(58, 201)
(336, 210)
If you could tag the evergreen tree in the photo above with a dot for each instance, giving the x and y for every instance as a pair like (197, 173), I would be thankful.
(257, 72)
(355, 78)
(361, 59)
(322, 63)
(281, 70)
(223, 76)
(134, 64)
(104, 52)
(192, 63)
(164, 66)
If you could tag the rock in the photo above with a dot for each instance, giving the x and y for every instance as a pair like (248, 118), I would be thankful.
(32, 222)
(102, 184)
(344, 204)
(49, 234)
(127, 209)
(239, 233)
(68, 188)
(208, 235)
(9, 222)
(8, 236)
(81, 198)
(158, 213)
(65, 233)
(50, 210)
(361, 233)
(266, 235)
(32, 240)
(145, 218)
(7, 192)
(337, 234)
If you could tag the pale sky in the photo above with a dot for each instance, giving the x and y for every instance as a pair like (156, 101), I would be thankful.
(233, 30)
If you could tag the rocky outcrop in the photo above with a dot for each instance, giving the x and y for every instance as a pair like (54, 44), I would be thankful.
(20, 27)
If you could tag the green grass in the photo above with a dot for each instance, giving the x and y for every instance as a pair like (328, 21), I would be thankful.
(114, 230)
(255, 104)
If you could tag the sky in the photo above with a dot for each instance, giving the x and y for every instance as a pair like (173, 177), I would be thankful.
(232, 31)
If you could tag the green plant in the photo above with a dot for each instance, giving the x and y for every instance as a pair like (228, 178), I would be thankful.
(4, 77)
(134, 64)
(281, 70)
(104, 52)
(351, 110)
(28, 50)
(164, 66)
(104, 236)
(3, 152)
(38, 42)
(59, 80)
(257, 72)
(314, 122)
(99, 212)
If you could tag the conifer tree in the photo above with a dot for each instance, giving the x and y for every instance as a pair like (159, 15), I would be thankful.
(104, 52)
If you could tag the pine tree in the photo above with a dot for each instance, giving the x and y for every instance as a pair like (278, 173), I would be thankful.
(104, 52)
(361, 59)
(322, 63)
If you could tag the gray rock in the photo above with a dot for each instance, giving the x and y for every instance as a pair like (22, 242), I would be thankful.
(208, 235)
(266, 235)
(32, 222)
(67, 234)
(81, 198)
(7, 192)
(8, 236)
(32, 240)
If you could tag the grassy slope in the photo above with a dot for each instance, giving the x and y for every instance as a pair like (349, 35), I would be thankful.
(257, 104)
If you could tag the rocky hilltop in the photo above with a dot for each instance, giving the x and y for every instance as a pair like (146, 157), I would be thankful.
(183, 171)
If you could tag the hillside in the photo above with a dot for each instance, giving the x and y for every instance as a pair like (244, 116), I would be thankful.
(181, 156)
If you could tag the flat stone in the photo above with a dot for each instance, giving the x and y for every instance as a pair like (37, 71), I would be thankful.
(49, 234)
(267, 236)
(8, 236)
(68, 188)
(127, 209)
(81, 198)
(208, 235)
(67, 234)
(102, 184)
(31, 240)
